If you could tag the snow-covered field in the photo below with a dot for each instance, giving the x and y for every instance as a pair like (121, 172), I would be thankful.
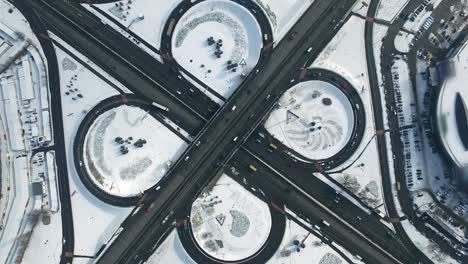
(142, 167)
(171, 251)
(346, 56)
(428, 247)
(146, 18)
(237, 31)
(234, 197)
(403, 40)
(24, 89)
(389, 9)
(94, 221)
(229, 222)
(283, 14)
(314, 118)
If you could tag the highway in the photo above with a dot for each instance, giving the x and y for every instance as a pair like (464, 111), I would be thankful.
(138, 71)
(369, 223)
(226, 131)
(275, 184)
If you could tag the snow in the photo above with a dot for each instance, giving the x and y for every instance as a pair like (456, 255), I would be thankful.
(91, 229)
(304, 122)
(314, 252)
(361, 7)
(389, 9)
(403, 40)
(19, 207)
(46, 242)
(132, 173)
(379, 33)
(421, 18)
(21, 87)
(231, 214)
(150, 27)
(51, 181)
(15, 22)
(11, 109)
(170, 251)
(404, 88)
(223, 20)
(427, 246)
(346, 56)
(283, 14)
(445, 108)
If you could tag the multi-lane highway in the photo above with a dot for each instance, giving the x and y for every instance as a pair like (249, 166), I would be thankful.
(224, 133)
(130, 65)
(275, 184)
(221, 133)
(366, 221)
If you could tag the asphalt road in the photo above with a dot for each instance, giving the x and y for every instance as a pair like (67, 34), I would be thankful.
(218, 139)
(404, 195)
(275, 184)
(359, 122)
(266, 251)
(139, 72)
(79, 144)
(68, 234)
(369, 223)
(379, 111)
(180, 10)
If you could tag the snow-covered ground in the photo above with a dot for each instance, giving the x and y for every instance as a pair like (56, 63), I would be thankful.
(314, 118)
(225, 21)
(171, 251)
(229, 222)
(142, 167)
(389, 9)
(24, 123)
(428, 247)
(234, 197)
(95, 228)
(146, 18)
(314, 251)
(346, 56)
(403, 40)
(283, 14)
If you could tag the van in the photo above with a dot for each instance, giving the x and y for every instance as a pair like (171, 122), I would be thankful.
(309, 50)
(235, 139)
(325, 223)
(233, 108)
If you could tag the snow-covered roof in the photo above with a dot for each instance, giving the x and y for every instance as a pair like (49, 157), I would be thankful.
(451, 110)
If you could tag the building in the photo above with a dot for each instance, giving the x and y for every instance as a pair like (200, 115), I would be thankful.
(452, 114)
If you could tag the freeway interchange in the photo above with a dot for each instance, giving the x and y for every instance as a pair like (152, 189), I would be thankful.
(224, 137)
